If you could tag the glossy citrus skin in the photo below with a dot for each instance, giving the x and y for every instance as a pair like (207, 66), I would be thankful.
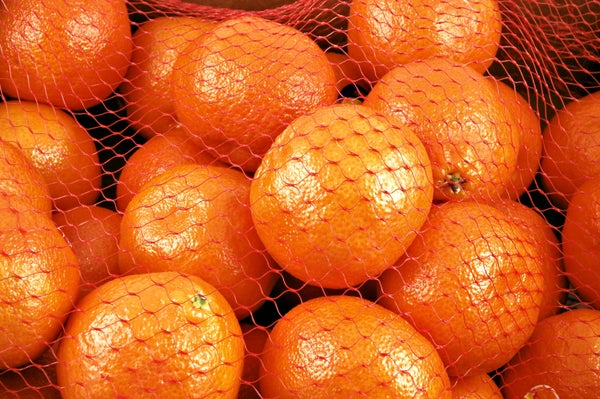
(527, 121)
(340, 195)
(244, 82)
(69, 53)
(472, 283)
(180, 324)
(20, 182)
(159, 153)
(458, 114)
(58, 147)
(560, 359)
(478, 386)
(391, 32)
(339, 347)
(580, 242)
(38, 285)
(548, 247)
(93, 234)
(571, 149)
(147, 86)
(196, 219)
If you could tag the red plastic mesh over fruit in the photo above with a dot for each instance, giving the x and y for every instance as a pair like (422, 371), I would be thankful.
(299, 199)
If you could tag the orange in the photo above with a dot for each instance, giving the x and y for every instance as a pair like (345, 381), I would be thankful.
(238, 87)
(93, 234)
(559, 361)
(478, 386)
(460, 117)
(581, 239)
(472, 283)
(547, 244)
(39, 281)
(196, 219)
(571, 149)
(159, 153)
(529, 155)
(35, 380)
(255, 338)
(340, 195)
(346, 347)
(20, 181)
(57, 146)
(383, 34)
(151, 335)
(69, 53)
(147, 86)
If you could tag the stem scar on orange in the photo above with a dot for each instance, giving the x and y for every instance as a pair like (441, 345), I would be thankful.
(341, 194)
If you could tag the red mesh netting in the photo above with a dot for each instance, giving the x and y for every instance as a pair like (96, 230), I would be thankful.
(299, 199)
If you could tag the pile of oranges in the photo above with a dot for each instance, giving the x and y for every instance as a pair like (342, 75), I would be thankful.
(289, 219)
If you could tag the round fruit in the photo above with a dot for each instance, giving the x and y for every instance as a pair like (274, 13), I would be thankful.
(341, 194)
(472, 283)
(93, 234)
(147, 86)
(157, 335)
(383, 34)
(460, 117)
(248, 78)
(479, 386)
(345, 347)
(159, 153)
(529, 155)
(559, 361)
(39, 283)
(543, 235)
(69, 53)
(20, 182)
(59, 148)
(571, 149)
(196, 219)
(581, 242)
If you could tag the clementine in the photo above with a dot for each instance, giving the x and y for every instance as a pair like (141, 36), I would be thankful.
(383, 34)
(57, 146)
(196, 219)
(547, 244)
(159, 153)
(571, 149)
(345, 347)
(151, 335)
(529, 155)
(69, 53)
(147, 85)
(21, 182)
(93, 234)
(472, 283)
(35, 380)
(559, 361)
(255, 338)
(580, 242)
(458, 114)
(478, 386)
(340, 195)
(39, 281)
(238, 87)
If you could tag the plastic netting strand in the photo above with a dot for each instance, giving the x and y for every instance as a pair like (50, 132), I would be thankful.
(299, 199)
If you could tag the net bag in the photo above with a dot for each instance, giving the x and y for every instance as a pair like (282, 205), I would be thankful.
(299, 199)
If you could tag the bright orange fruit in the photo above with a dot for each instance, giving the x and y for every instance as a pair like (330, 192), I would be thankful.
(342, 347)
(69, 53)
(238, 87)
(151, 335)
(341, 194)
(472, 283)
